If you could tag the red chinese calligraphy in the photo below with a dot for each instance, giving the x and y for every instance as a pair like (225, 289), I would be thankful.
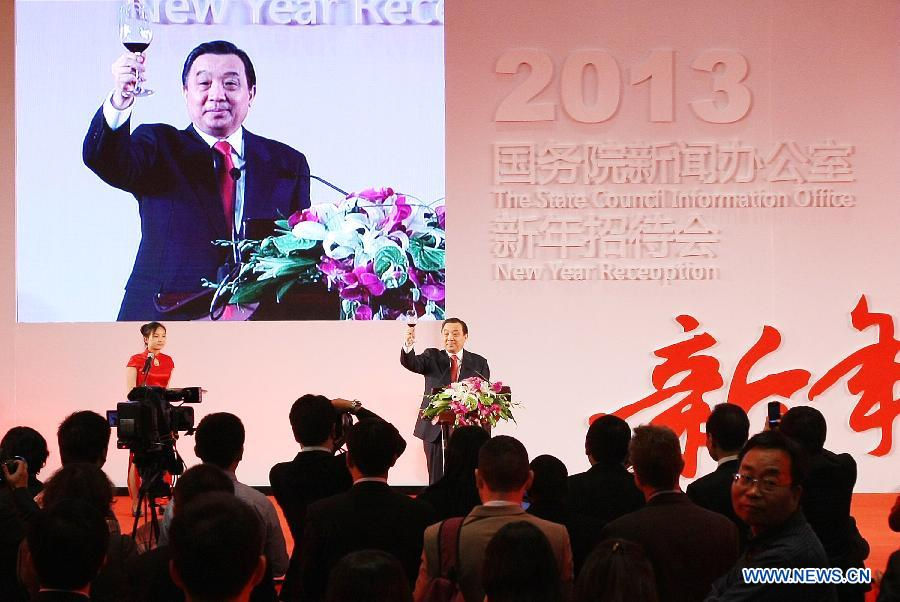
(874, 373)
(687, 415)
(875, 379)
(748, 394)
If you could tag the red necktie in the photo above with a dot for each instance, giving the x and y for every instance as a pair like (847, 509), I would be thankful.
(226, 183)
(454, 368)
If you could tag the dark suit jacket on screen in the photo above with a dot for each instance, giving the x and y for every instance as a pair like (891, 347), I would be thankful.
(688, 546)
(170, 173)
(369, 516)
(434, 364)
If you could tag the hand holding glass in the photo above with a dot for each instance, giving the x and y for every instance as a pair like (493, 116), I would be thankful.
(135, 34)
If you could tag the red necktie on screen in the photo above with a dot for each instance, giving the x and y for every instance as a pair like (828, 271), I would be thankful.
(454, 368)
(226, 182)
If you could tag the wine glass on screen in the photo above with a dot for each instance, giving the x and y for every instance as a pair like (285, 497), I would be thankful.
(135, 34)
(411, 318)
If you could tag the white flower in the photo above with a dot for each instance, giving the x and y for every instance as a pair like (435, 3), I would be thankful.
(309, 230)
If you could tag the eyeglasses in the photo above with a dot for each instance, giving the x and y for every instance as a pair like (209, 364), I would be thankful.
(764, 484)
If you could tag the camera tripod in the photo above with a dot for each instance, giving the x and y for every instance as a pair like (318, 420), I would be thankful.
(150, 471)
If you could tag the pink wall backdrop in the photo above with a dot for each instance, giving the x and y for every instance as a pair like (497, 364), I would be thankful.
(818, 74)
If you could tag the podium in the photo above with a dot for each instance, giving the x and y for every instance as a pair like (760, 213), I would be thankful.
(447, 421)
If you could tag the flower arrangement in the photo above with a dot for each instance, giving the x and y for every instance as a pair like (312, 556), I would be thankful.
(381, 251)
(473, 401)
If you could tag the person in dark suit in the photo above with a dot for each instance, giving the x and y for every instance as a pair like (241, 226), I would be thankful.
(368, 516)
(195, 185)
(826, 496)
(315, 472)
(727, 429)
(548, 495)
(688, 546)
(440, 368)
(607, 490)
(66, 547)
(26, 443)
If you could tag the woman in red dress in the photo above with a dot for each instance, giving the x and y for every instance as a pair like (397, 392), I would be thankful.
(159, 375)
(162, 365)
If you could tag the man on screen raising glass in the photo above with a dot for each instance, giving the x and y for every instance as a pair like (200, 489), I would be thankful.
(194, 185)
(440, 368)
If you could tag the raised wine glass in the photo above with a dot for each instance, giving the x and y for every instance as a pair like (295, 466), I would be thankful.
(135, 34)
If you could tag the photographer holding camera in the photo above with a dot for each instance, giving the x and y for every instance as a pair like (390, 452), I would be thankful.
(16, 506)
(369, 515)
(316, 472)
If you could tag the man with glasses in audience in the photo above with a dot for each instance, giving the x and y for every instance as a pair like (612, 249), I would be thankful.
(766, 495)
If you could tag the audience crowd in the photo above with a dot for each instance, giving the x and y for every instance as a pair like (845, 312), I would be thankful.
(494, 528)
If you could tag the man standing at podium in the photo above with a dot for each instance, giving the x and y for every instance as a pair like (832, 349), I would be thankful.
(440, 368)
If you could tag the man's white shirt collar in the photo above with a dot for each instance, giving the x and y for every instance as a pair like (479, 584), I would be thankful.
(236, 140)
(726, 459)
(500, 503)
(370, 480)
(310, 448)
(458, 354)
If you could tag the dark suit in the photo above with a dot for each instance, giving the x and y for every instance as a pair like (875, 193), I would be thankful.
(713, 492)
(584, 531)
(369, 516)
(434, 365)
(688, 546)
(170, 172)
(826, 504)
(604, 492)
(16, 506)
(310, 476)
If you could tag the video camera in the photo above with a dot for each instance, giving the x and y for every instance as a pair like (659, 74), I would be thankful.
(147, 424)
